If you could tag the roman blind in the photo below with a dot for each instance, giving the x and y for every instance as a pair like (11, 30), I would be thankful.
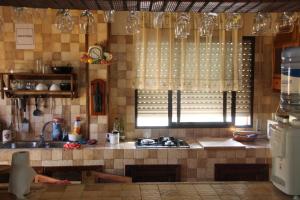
(196, 63)
(175, 107)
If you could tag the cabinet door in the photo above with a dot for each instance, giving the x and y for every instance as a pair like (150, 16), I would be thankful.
(241, 172)
(153, 173)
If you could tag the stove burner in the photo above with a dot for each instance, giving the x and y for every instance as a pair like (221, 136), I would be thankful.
(161, 142)
(147, 141)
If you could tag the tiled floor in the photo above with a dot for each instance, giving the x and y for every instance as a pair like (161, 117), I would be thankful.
(168, 191)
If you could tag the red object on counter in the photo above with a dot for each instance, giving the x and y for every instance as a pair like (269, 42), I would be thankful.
(72, 146)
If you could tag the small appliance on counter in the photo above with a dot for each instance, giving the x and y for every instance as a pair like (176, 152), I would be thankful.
(113, 137)
(161, 142)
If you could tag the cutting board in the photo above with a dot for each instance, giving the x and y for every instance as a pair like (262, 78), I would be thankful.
(216, 143)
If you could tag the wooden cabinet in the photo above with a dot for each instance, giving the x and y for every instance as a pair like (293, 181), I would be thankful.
(241, 172)
(153, 173)
(7, 79)
(282, 41)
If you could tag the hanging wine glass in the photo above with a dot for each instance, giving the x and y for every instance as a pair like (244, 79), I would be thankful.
(206, 24)
(284, 23)
(233, 21)
(292, 15)
(87, 22)
(133, 23)
(64, 21)
(261, 23)
(109, 16)
(182, 26)
(158, 18)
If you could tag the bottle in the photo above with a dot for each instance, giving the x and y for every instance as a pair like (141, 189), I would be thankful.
(76, 128)
(290, 80)
(116, 126)
(121, 129)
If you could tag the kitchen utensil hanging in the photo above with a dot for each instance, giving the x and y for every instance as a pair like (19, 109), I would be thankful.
(37, 112)
(98, 100)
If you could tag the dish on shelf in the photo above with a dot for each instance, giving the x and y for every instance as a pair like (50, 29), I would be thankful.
(62, 69)
(65, 86)
(41, 86)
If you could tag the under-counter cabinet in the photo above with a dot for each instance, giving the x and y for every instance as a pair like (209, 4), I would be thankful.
(241, 172)
(153, 173)
(23, 84)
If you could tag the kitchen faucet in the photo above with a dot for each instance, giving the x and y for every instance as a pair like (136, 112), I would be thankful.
(42, 142)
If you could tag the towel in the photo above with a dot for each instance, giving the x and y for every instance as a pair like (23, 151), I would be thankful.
(21, 174)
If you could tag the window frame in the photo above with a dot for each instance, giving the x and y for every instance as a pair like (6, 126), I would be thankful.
(206, 124)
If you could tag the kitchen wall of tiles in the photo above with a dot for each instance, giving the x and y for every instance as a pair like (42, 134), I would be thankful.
(54, 48)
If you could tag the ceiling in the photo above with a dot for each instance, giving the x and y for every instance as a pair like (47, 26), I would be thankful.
(242, 6)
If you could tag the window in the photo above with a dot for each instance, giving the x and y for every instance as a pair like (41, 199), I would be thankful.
(194, 108)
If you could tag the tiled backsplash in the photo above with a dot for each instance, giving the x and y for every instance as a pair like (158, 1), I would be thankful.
(54, 48)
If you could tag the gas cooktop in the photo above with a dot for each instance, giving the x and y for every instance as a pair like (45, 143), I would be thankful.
(161, 142)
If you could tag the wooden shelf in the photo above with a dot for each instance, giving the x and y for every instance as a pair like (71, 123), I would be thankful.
(33, 76)
(7, 78)
(40, 93)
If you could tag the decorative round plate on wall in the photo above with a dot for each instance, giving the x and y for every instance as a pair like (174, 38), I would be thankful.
(95, 52)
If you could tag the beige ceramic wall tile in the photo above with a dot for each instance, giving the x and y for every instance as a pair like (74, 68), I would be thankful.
(77, 154)
(57, 154)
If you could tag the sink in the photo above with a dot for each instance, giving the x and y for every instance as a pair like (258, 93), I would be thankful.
(31, 144)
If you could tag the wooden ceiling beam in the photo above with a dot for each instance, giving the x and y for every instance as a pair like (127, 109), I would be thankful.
(170, 5)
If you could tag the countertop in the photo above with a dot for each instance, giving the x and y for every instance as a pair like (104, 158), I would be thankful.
(211, 143)
(155, 191)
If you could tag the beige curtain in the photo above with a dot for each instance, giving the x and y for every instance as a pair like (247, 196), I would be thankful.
(197, 63)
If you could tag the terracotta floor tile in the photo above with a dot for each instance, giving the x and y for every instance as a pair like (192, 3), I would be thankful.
(130, 187)
(130, 193)
(167, 187)
(109, 193)
(93, 187)
(132, 198)
(148, 187)
(51, 195)
(205, 189)
(89, 194)
(229, 197)
(151, 198)
(210, 197)
(111, 187)
(191, 197)
(109, 198)
(55, 188)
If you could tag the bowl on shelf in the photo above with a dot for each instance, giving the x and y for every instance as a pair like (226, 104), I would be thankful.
(41, 86)
(54, 87)
(65, 86)
(62, 69)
